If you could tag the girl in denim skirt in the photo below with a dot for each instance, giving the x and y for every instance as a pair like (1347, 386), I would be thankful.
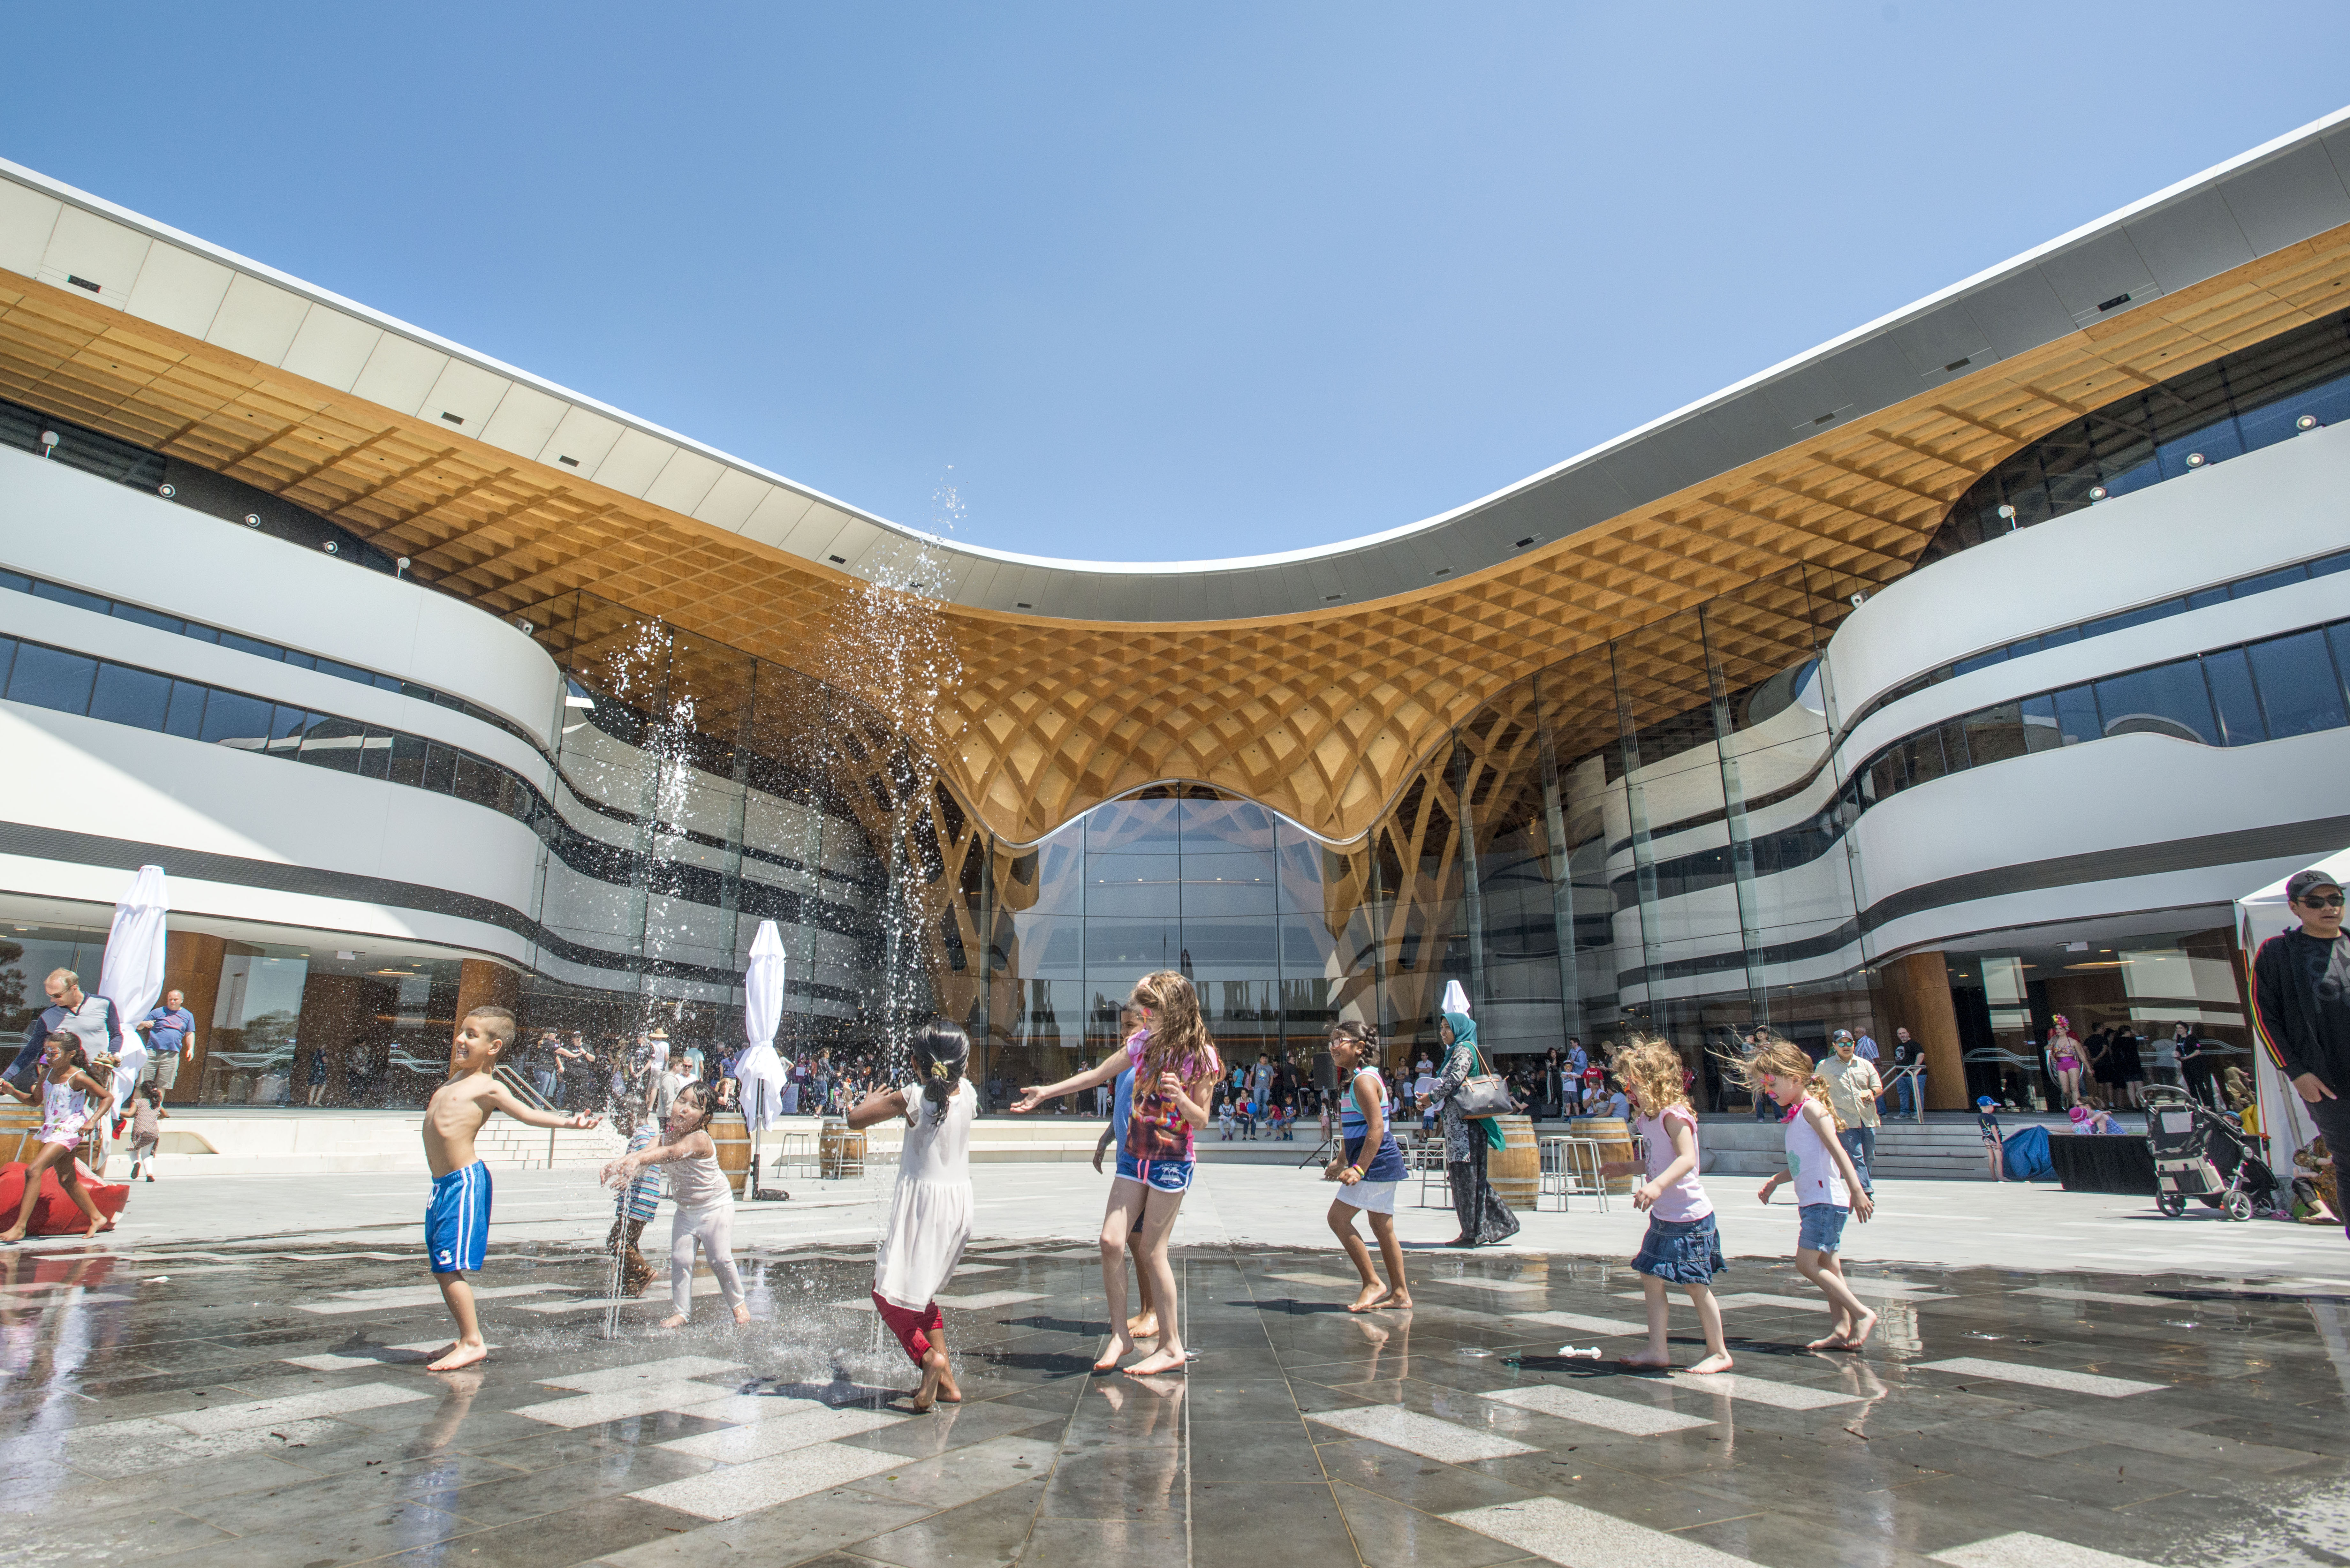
(1683, 1246)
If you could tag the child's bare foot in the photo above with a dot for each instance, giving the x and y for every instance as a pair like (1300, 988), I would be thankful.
(459, 1355)
(742, 1316)
(1645, 1358)
(12, 1236)
(1371, 1295)
(1713, 1364)
(1142, 1325)
(934, 1367)
(1860, 1336)
(1397, 1301)
(1121, 1347)
(1832, 1340)
(675, 1320)
(1166, 1358)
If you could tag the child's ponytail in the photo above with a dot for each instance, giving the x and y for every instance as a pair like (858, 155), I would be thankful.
(941, 1053)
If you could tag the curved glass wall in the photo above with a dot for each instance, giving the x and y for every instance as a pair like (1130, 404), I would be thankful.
(2238, 403)
(1266, 920)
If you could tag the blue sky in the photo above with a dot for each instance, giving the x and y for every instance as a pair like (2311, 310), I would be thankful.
(1148, 282)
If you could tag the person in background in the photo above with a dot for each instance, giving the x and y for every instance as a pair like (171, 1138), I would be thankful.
(1619, 1104)
(2102, 1084)
(1484, 1218)
(541, 1064)
(1750, 1042)
(1576, 1061)
(1908, 1088)
(170, 1031)
(2195, 1072)
(91, 1020)
(317, 1074)
(1853, 1089)
(1865, 1048)
(146, 1129)
(1994, 1146)
(2064, 1054)
(2129, 1065)
(2086, 1120)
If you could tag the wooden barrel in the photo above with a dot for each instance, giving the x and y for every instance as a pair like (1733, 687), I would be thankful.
(18, 1123)
(1515, 1168)
(1614, 1135)
(732, 1136)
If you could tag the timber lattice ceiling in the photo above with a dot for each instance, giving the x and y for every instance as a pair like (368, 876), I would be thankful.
(1321, 717)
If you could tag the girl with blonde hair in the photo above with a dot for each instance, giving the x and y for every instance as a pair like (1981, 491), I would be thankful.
(1175, 1068)
(1683, 1246)
(1828, 1187)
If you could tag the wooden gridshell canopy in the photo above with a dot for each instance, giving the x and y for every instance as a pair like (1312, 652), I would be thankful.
(1324, 717)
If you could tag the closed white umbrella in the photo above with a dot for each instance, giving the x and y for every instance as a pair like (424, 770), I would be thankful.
(132, 976)
(759, 1070)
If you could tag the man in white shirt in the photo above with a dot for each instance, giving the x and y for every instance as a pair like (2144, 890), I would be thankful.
(1853, 1087)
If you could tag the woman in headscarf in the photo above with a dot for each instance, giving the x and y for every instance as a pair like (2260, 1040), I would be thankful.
(1484, 1218)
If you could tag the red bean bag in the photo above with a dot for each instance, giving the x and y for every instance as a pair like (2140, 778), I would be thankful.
(55, 1213)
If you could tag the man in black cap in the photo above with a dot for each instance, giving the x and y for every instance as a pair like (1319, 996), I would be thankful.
(2301, 1002)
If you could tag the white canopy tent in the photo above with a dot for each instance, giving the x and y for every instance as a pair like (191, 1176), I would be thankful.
(2285, 1124)
(131, 974)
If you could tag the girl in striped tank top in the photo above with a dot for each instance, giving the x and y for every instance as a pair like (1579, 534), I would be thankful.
(1368, 1169)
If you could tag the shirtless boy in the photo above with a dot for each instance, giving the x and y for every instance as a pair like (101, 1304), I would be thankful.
(457, 1221)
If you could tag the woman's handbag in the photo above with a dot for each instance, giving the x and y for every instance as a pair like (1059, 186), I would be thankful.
(1485, 1095)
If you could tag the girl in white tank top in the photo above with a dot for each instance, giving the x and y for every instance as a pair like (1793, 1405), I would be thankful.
(704, 1201)
(1827, 1188)
(71, 1100)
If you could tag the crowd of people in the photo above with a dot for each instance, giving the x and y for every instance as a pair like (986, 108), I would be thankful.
(1168, 1084)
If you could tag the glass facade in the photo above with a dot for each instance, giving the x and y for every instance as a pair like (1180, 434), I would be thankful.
(1635, 837)
(1264, 918)
(2238, 403)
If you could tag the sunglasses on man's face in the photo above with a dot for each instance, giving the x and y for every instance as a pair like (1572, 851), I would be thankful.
(2323, 902)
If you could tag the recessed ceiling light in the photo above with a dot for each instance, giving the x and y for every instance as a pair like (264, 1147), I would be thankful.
(1327, 599)
(1526, 541)
(1024, 603)
(837, 560)
(453, 418)
(568, 461)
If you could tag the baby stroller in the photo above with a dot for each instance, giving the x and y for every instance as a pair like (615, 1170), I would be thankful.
(2199, 1154)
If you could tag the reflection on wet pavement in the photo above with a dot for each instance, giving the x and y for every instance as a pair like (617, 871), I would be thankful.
(261, 1410)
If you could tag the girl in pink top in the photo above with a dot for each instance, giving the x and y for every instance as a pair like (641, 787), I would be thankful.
(1175, 1072)
(1683, 1246)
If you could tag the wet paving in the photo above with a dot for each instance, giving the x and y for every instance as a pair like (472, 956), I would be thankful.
(264, 1407)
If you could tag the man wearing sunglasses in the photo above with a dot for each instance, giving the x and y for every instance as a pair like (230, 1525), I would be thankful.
(2301, 1001)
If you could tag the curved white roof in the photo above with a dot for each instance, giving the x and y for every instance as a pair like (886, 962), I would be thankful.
(2272, 197)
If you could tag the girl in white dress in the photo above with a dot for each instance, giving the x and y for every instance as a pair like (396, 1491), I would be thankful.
(929, 1215)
